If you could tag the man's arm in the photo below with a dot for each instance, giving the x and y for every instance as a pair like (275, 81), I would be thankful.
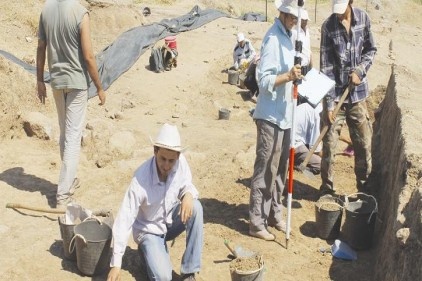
(368, 51)
(42, 93)
(90, 58)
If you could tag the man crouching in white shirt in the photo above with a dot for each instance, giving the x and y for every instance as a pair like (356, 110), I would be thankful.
(160, 203)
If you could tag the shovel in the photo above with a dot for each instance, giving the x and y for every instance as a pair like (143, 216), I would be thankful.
(99, 213)
(237, 251)
(302, 166)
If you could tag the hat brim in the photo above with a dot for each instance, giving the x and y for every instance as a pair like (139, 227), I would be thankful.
(174, 148)
(340, 8)
(287, 10)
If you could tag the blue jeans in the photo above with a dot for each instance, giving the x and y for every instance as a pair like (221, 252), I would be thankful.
(153, 248)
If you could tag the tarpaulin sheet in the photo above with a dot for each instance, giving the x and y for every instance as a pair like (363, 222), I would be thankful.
(119, 56)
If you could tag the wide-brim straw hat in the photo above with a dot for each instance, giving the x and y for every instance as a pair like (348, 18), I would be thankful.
(168, 137)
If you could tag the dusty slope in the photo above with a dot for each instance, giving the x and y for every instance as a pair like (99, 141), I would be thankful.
(221, 152)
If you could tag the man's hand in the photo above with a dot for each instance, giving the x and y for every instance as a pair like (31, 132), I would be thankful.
(186, 207)
(295, 73)
(354, 79)
(114, 274)
(42, 92)
(330, 117)
(101, 96)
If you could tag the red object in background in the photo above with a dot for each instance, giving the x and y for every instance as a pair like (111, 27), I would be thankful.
(171, 42)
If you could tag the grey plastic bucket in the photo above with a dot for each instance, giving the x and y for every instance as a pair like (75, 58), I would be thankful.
(92, 242)
(328, 214)
(249, 275)
(223, 114)
(359, 224)
(242, 78)
(233, 77)
(67, 232)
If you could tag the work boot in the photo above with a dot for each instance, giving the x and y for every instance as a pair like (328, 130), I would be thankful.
(188, 277)
(262, 234)
(280, 226)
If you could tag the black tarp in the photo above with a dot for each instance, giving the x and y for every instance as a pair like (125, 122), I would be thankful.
(118, 57)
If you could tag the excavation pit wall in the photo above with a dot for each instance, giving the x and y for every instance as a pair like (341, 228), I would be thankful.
(397, 172)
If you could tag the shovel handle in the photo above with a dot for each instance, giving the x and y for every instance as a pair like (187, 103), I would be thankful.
(324, 130)
(36, 209)
(100, 213)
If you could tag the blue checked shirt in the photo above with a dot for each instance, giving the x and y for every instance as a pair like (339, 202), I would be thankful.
(342, 54)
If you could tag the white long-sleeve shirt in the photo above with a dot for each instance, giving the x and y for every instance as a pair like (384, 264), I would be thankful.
(147, 204)
(307, 125)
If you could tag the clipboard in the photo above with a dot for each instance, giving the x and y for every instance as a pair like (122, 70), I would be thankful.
(315, 86)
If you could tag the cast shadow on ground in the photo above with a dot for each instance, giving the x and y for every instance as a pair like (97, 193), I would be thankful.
(301, 191)
(131, 263)
(230, 215)
(343, 270)
(245, 95)
(17, 178)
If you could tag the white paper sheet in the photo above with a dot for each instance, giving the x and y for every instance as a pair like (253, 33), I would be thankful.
(315, 86)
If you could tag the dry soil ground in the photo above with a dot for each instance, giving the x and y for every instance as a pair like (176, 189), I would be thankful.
(221, 153)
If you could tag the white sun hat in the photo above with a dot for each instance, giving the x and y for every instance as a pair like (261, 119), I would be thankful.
(304, 14)
(287, 6)
(340, 6)
(240, 37)
(168, 138)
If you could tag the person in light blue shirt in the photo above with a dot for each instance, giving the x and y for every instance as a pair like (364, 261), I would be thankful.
(273, 118)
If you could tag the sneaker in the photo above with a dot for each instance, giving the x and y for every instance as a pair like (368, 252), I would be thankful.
(188, 277)
(280, 226)
(262, 234)
(349, 151)
(75, 185)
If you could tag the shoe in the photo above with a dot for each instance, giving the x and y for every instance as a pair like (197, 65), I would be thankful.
(75, 185)
(62, 203)
(326, 191)
(188, 277)
(262, 234)
(349, 151)
(280, 226)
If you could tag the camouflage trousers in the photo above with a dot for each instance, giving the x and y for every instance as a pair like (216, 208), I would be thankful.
(357, 119)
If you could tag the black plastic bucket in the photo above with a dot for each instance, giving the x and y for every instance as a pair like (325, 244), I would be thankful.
(92, 240)
(248, 275)
(359, 224)
(67, 232)
(328, 214)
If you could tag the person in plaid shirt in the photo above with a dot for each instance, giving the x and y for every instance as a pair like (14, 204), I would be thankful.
(347, 52)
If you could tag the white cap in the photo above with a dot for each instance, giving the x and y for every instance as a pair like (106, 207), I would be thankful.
(340, 6)
(304, 15)
(240, 37)
(287, 6)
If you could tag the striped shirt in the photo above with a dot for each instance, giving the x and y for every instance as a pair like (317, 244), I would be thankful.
(342, 54)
